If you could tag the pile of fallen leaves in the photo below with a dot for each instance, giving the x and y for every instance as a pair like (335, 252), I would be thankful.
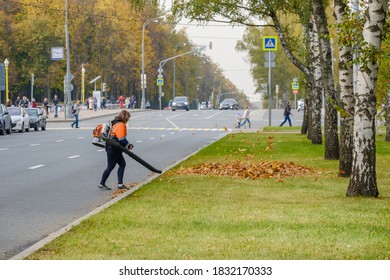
(250, 170)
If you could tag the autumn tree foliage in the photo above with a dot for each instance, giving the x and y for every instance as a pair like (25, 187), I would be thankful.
(105, 37)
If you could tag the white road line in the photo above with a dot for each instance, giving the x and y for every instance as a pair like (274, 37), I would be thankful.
(32, 145)
(75, 156)
(101, 150)
(209, 117)
(82, 137)
(138, 141)
(60, 140)
(172, 123)
(152, 138)
(36, 166)
(4, 149)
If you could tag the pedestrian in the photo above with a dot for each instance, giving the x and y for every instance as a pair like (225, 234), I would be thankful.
(56, 102)
(75, 111)
(33, 103)
(121, 99)
(95, 103)
(246, 117)
(17, 101)
(8, 103)
(24, 102)
(46, 106)
(287, 113)
(238, 120)
(115, 156)
(90, 103)
(103, 103)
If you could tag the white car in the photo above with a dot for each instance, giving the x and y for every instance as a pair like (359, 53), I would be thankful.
(301, 104)
(20, 119)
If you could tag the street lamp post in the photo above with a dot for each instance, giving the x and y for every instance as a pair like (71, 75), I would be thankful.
(143, 80)
(174, 68)
(6, 63)
(82, 83)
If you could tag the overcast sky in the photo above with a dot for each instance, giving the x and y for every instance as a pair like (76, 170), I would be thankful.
(224, 39)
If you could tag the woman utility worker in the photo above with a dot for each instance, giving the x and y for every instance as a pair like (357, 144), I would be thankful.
(115, 156)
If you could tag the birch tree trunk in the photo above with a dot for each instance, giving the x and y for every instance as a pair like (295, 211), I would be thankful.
(346, 96)
(363, 177)
(316, 93)
(330, 123)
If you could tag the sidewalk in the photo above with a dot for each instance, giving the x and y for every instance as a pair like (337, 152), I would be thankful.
(87, 114)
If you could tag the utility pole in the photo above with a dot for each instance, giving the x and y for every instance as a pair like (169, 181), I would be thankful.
(68, 87)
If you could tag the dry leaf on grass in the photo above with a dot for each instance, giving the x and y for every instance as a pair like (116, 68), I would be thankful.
(251, 170)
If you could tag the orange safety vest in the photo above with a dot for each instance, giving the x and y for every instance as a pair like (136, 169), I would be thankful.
(119, 130)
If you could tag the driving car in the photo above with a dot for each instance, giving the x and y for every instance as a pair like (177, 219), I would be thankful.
(180, 102)
(5, 121)
(229, 103)
(37, 119)
(301, 104)
(203, 105)
(20, 119)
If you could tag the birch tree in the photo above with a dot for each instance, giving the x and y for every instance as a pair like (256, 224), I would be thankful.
(341, 13)
(363, 177)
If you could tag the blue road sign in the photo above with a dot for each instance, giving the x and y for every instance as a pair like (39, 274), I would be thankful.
(160, 82)
(270, 43)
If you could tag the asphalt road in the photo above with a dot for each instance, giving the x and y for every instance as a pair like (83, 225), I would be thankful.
(49, 178)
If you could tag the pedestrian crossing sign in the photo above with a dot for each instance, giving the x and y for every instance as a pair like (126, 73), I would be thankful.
(160, 82)
(270, 43)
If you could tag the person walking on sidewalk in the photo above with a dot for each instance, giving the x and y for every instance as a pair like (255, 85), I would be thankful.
(46, 106)
(56, 102)
(75, 111)
(287, 113)
(115, 156)
(246, 117)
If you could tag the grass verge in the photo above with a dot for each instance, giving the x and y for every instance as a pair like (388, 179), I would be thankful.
(203, 216)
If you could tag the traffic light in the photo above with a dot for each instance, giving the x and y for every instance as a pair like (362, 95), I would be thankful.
(104, 87)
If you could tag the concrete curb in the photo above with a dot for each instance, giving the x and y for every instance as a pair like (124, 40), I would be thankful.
(40, 244)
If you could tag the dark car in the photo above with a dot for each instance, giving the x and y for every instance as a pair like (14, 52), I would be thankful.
(37, 119)
(5, 121)
(228, 104)
(180, 102)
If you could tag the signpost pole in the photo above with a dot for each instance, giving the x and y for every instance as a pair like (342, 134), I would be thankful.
(269, 88)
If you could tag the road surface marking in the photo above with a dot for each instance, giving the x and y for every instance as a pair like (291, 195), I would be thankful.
(60, 140)
(75, 156)
(4, 149)
(213, 115)
(32, 145)
(36, 166)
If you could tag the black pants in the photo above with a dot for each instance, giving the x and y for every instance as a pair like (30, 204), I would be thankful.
(114, 157)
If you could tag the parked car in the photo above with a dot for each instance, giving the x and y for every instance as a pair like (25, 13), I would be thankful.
(229, 103)
(37, 119)
(20, 119)
(203, 105)
(180, 102)
(301, 104)
(5, 120)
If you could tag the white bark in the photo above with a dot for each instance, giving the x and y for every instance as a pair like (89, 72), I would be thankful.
(363, 177)
(316, 94)
(346, 96)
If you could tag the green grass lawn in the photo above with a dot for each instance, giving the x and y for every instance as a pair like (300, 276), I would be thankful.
(207, 217)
